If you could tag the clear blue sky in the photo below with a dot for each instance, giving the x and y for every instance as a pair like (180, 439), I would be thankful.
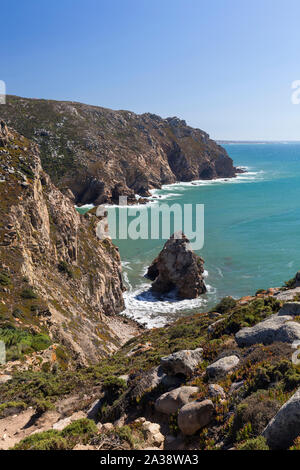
(225, 66)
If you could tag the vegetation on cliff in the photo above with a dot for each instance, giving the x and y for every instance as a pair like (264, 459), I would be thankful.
(100, 154)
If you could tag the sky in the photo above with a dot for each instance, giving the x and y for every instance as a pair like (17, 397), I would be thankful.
(225, 66)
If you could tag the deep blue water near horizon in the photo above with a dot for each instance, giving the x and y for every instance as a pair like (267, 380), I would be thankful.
(252, 231)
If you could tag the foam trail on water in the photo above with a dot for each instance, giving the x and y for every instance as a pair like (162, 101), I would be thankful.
(155, 310)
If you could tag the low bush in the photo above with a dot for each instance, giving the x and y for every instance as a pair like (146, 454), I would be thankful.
(252, 415)
(28, 293)
(47, 440)
(225, 305)
(258, 443)
(63, 267)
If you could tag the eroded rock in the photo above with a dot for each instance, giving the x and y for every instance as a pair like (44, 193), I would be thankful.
(275, 328)
(195, 416)
(222, 366)
(178, 267)
(172, 401)
(182, 362)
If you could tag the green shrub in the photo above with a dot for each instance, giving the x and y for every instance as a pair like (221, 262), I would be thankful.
(114, 387)
(4, 279)
(19, 342)
(258, 443)
(28, 293)
(47, 440)
(42, 405)
(252, 415)
(11, 407)
(63, 267)
(226, 304)
(81, 430)
(247, 315)
(291, 283)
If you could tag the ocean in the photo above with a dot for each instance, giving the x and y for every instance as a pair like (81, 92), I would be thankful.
(251, 229)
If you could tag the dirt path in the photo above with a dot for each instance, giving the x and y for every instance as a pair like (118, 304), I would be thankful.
(16, 427)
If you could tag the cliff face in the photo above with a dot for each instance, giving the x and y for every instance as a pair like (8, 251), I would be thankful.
(56, 277)
(99, 153)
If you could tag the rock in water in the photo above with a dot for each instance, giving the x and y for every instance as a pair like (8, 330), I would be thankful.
(177, 266)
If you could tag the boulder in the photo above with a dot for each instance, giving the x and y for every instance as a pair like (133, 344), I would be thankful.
(287, 295)
(62, 423)
(290, 308)
(152, 433)
(172, 401)
(275, 328)
(178, 267)
(235, 386)
(283, 429)
(5, 378)
(297, 279)
(182, 362)
(222, 366)
(216, 390)
(194, 416)
(107, 427)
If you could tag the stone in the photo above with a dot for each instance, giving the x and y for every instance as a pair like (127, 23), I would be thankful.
(178, 267)
(182, 362)
(62, 423)
(107, 427)
(283, 429)
(275, 328)
(216, 390)
(172, 401)
(290, 308)
(153, 435)
(120, 422)
(92, 412)
(195, 416)
(5, 378)
(287, 295)
(222, 366)
(235, 386)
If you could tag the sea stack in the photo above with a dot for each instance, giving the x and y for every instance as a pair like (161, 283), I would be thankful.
(178, 267)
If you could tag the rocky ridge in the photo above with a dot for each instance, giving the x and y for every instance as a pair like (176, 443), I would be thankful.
(99, 154)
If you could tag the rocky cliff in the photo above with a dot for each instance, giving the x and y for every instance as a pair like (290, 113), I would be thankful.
(58, 283)
(99, 153)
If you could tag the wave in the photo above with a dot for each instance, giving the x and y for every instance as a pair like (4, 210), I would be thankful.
(156, 310)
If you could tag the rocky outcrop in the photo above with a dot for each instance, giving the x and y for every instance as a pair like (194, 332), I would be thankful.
(276, 328)
(98, 152)
(178, 267)
(222, 366)
(183, 362)
(57, 277)
(285, 426)
(290, 308)
(195, 416)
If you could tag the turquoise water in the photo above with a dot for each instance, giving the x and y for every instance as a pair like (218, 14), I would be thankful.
(252, 232)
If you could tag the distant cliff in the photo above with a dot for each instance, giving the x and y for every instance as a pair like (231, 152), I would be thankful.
(99, 153)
